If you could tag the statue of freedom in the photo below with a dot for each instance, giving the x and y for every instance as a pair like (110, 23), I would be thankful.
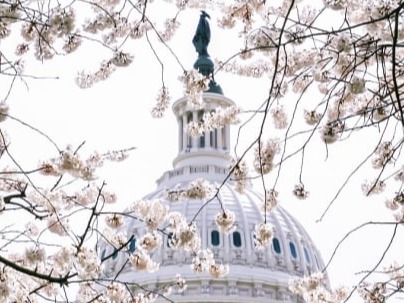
(202, 35)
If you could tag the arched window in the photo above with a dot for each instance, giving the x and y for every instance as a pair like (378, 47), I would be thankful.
(236, 239)
(293, 250)
(132, 245)
(215, 238)
(115, 254)
(306, 255)
(276, 245)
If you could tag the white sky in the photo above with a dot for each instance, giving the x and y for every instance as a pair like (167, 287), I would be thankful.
(116, 114)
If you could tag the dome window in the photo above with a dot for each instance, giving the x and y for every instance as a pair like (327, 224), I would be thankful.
(276, 245)
(306, 255)
(132, 245)
(215, 238)
(293, 250)
(237, 239)
(115, 254)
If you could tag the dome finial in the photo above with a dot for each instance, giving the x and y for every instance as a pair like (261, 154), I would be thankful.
(202, 35)
(204, 63)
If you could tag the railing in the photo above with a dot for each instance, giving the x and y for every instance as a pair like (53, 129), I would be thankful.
(192, 169)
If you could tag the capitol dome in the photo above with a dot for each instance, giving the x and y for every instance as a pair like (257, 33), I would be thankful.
(255, 275)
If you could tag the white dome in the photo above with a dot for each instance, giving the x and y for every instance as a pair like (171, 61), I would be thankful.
(255, 275)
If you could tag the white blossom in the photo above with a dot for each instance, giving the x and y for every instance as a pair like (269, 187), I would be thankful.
(312, 117)
(262, 235)
(185, 236)
(225, 221)
(59, 226)
(264, 156)
(34, 255)
(383, 154)
(331, 131)
(373, 187)
(202, 261)
(88, 263)
(199, 189)
(140, 260)
(116, 292)
(170, 27)
(279, 117)
(122, 59)
(181, 283)
(162, 103)
(114, 221)
(153, 213)
(150, 241)
(63, 260)
(219, 270)
(271, 200)
(239, 173)
(300, 192)
(314, 290)
(194, 85)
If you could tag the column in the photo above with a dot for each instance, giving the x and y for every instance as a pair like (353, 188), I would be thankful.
(180, 134)
(219, 138)
(195, 139)
(227, 132)
(208, 144)
(184, 133)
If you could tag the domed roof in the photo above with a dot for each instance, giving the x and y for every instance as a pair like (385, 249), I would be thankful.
(255, 275)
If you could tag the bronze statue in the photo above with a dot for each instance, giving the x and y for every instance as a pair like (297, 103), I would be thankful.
(202, 35)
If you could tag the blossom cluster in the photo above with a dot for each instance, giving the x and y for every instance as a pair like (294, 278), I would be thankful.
(313, 289)
(373, 292)
(141, 261)
(194, 85)
(163, 101)
(265, 155)
(263, 234)
(397, 206)
(107, 67)
(225, 221)
(383, 154)
(70, 162)
(300, 192)
(203, 261)
(214, 120)
(153, 213)
(279, 117)
(373, 187)
(239, 174)
(183, 235)
(270, 201)
(197, 189)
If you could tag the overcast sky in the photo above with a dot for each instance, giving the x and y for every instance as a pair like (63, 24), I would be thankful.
(115, 114)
